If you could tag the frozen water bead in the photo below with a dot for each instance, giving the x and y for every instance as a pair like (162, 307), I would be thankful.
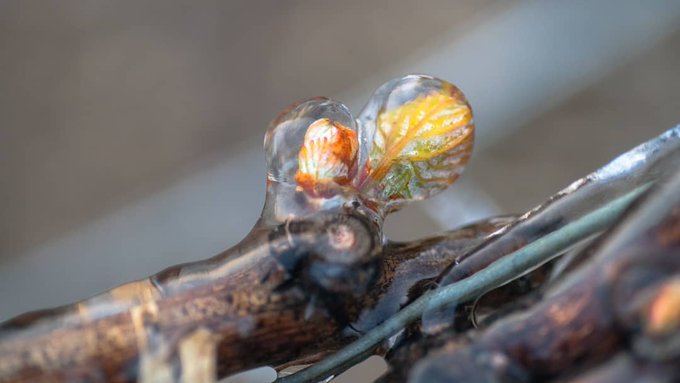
(416, 135)
(285, 136)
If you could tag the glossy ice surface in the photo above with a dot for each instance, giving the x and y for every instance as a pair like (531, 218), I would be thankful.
(416, 135)
(411, 141)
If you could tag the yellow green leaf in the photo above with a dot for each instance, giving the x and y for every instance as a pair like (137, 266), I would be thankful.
(420, 147)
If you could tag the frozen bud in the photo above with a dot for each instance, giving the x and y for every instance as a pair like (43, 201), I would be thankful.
(327, 158)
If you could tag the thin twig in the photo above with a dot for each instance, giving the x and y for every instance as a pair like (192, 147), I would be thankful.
(502, 271)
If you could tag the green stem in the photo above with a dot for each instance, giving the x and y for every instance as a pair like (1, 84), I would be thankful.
(502, 271)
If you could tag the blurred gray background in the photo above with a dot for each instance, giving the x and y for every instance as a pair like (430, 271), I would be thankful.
(131, 131)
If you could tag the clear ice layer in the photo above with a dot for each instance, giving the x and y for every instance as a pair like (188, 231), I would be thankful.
(411, 141)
